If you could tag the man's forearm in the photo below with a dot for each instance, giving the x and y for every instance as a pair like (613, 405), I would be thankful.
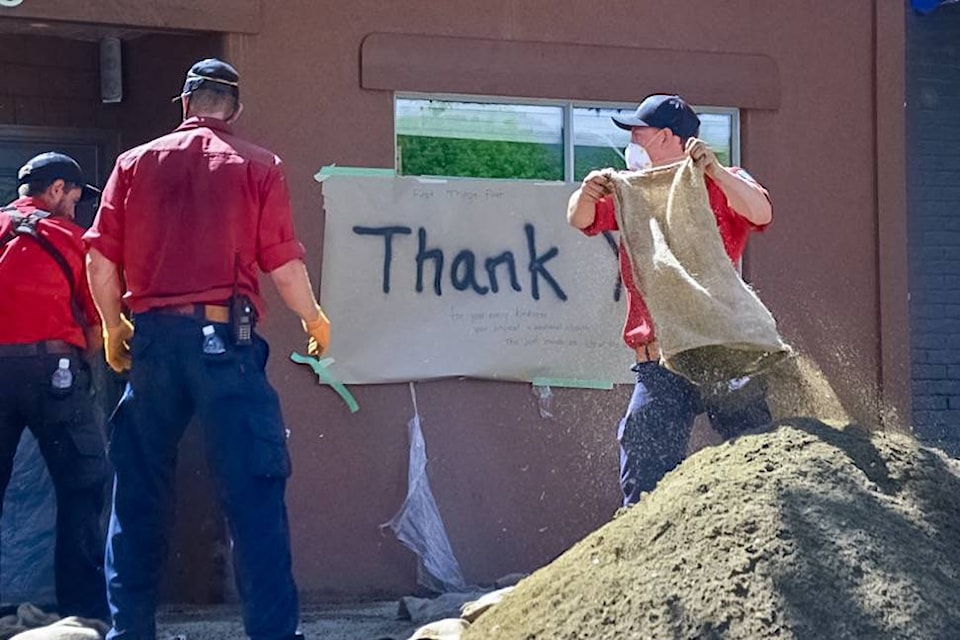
(94, 340)
(104, 279)
(744, 197)
(581, 210)
(293, 284)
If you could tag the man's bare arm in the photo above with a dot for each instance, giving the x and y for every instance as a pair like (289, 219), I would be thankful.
(744, 196)
(104, 279)
(293, 284)
(94, 341)
(581, 209)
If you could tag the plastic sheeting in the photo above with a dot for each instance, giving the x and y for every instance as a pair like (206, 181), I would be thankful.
(418, 525)
(28, 529)
(545, 397)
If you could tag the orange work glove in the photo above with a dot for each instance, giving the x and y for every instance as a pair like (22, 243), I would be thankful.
(319, 332)
(116, 344)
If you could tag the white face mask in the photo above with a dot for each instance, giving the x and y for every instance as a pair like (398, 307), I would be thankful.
(636, 157)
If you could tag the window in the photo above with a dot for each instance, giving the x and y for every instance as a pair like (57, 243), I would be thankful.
(479, 140)
(477, 137)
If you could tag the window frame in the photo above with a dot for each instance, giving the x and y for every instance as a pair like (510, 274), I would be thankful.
(567, 107)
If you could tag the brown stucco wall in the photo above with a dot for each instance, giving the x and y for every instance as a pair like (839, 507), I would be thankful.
(500, 473)
(514, 489)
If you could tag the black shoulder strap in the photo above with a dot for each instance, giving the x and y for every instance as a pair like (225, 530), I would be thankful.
(11, 232)
(26, 226)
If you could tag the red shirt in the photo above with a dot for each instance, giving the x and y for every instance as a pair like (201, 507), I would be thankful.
(734, 230)
(177, 211)
(34, 291)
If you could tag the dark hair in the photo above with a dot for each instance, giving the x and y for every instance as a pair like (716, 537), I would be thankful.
(683, 141)
(211, 100)
(39, 187)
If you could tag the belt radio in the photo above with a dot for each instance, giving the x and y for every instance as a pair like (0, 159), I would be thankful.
(243, 315)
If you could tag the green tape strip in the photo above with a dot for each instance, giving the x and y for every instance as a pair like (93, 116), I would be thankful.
(320, 368)
(572, 383)
(334, 170)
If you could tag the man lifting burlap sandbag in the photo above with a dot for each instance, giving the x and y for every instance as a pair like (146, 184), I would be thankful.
(701, 336)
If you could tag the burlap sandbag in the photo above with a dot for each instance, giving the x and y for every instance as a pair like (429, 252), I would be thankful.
(711, 327)
(67, 629)
(446, 629)
(32, 623)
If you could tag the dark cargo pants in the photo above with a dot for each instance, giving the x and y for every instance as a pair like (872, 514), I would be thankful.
(653, 434)
(245, 441)
(72, 444)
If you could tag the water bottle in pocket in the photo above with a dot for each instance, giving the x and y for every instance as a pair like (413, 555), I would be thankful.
(212, 343)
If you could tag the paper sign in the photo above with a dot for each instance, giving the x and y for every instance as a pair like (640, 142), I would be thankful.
(481, 278)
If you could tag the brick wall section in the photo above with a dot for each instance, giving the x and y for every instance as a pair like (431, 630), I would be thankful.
(50, 82)
(933, 188)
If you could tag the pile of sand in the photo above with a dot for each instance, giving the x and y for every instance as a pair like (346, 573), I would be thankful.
(808, 531)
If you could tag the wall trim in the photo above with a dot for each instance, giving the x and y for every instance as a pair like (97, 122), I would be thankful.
(243, 16)
(442, 64)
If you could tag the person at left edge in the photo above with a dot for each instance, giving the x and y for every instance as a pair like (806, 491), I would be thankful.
(47, 322)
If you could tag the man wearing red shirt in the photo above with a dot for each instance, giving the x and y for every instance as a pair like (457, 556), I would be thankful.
(48, 321)
(190, 220)
(654, 432)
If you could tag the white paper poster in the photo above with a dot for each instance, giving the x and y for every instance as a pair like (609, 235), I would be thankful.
(430, 279)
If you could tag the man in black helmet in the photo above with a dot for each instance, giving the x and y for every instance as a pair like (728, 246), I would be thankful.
(47, 322)
(191, 219)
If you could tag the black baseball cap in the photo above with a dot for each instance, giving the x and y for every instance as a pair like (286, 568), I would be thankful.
(214, 75)
(663, 111)
(52, 166)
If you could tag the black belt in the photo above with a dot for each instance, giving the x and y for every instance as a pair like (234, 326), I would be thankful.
(48, 347)
(209, 312)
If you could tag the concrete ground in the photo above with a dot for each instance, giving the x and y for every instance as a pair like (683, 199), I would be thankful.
(365, 621)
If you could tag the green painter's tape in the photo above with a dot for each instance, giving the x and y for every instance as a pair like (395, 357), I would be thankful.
(334, 170)
(320, 368)
(572, 383)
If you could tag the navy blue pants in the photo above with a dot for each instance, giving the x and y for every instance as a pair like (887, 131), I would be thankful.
(72, 444)
(653, 434)
(245, 440)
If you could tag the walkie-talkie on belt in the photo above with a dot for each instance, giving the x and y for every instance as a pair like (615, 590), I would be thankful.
(242, 312)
